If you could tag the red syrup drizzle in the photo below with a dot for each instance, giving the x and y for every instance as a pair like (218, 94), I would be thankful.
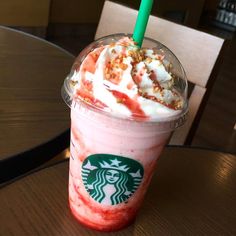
(86, 90)
(89, 98)
(131, 104)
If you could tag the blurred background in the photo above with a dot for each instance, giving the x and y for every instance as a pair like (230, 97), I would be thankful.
(71, 24)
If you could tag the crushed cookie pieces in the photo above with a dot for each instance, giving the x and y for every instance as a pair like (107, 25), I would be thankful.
(123, 66)
(73, 83)
(113, 51)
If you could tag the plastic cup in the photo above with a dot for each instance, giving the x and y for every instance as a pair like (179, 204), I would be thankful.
(113, 158)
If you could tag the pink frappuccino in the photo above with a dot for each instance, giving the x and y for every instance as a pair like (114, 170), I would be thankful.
(125, 103)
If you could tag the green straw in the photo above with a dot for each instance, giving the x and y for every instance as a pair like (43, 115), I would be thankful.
(142, 20)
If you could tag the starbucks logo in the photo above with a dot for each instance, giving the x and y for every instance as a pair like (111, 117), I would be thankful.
(111, 179)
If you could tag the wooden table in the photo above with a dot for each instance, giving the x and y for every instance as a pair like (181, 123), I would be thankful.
(192, 193)
(34, 120)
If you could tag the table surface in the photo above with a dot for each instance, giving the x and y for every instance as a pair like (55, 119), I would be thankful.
(192, 193)
(32, 112)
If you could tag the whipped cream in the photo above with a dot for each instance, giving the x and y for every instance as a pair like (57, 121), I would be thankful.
(125, 80)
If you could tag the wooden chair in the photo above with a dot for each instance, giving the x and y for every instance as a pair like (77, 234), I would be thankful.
(197, 51)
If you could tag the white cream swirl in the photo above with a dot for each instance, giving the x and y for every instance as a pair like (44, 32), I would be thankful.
(127, 81)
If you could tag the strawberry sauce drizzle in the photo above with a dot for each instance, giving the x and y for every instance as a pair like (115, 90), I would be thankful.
(131, 104)
(86, 90)
(89, 98)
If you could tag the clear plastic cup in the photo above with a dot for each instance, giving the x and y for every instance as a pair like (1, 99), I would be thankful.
(113, 158)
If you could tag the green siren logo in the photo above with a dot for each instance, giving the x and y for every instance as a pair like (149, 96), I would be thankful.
(111, 179)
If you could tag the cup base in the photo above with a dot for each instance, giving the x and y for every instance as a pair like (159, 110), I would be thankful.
(98, 227)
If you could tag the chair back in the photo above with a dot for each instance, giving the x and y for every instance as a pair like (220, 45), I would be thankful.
(196, 50)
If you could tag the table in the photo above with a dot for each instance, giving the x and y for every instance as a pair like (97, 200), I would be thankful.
(34, 120)
(192, 193)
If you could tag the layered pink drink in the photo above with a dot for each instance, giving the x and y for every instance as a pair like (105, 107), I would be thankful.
(125, 103)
